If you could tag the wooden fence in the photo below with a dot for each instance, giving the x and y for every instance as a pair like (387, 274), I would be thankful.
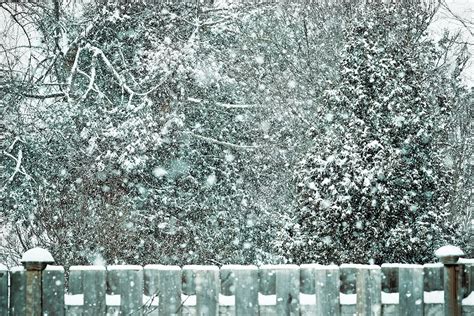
(310, 289)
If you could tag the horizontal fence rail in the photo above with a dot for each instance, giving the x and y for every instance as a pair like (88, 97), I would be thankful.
(308, 289)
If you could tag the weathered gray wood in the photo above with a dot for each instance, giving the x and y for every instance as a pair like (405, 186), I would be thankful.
(244, 284)
(327, 290)
(189, 285)
(348, 275)
(452, 289)
(227, 277)
(267, 279)
(94, 285)
(53, 290)
(207, 288)
(33, 292)
(127, 281)
(433, 309)
(433, 277)
(17, 291)
(90, 281)
(410, 279)
(75, 280)
(164, 282)
(287, 289)
(369, 288)
(3, 290)
(307, 278)
(390, 277)
(468, 276)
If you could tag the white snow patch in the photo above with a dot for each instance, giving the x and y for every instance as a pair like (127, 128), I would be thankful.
(310, 266)
(124, 267)
(266, 300)
(433, 265)
(433, 297)
(390, 298)
(348, 299)
(54, 268)
(211, 180)
(229, 157)
(200, 268)
(188, 300)
(351, 265)
(74, 299)
(226, 300)
(307, 299)
(150, 300)
(159, 172)
(87, 268)
(449, 251)
(238, 267)
(279, 267)
(410, 266)
(3, 267)
(37, 255)
(162, 267)
(17, 269)
(469, 300)
(260, 60)
(328, 267)
(291, 84)
(112, 300)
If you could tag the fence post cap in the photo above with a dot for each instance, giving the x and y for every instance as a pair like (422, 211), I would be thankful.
(449, 254)
(36, 259)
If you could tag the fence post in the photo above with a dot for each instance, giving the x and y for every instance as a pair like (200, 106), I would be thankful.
(449, 256)
(35, 261)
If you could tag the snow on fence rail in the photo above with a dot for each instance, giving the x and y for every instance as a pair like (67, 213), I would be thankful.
(38, 288)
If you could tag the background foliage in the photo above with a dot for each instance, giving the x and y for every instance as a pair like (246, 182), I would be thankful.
(184, 133)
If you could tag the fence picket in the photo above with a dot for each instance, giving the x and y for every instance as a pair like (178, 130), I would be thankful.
(433, 277)
(327, 286)
(392, 289)
(3, 290)
(18, 291)
(307, 278)
(411, 289)
(242, 281)
(390, 277)
(369, 288)
(164, 282)
(90, 281)
(206, 280)
(468, 276)
(127, 281)
(53, 290)
(267, 279)
(348, 275)
(287, 289)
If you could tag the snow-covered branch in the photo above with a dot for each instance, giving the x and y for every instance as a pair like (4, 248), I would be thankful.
(219, 142)
(18, 167)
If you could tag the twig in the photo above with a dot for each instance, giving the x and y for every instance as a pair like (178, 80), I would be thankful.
(219, 142)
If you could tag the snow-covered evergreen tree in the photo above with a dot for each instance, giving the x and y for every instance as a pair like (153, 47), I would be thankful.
(376, 186)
